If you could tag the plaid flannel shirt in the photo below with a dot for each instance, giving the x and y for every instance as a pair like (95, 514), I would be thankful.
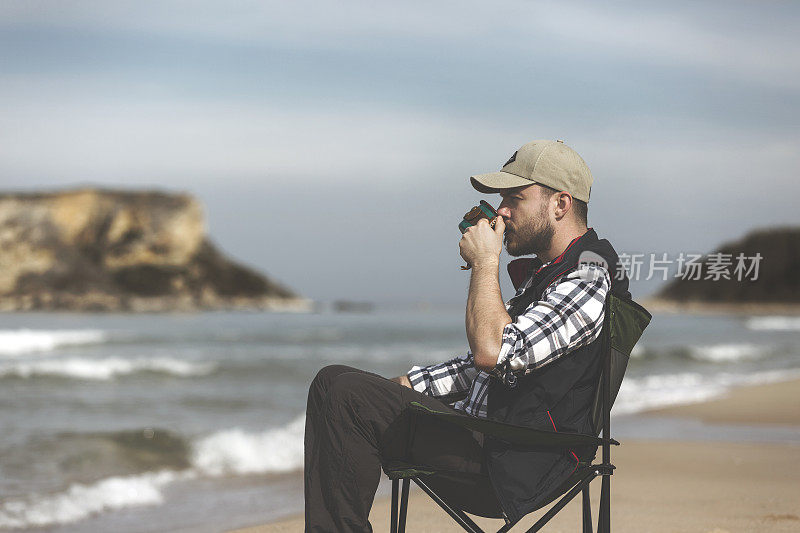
(568, 316)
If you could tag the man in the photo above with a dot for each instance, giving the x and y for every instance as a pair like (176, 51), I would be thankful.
(533, 361)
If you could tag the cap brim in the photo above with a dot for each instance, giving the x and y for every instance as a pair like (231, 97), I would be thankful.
(496, 181)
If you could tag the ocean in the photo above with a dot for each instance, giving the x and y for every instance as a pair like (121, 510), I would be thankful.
(194, 422)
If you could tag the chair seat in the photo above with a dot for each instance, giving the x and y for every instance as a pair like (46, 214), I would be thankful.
(402, 470)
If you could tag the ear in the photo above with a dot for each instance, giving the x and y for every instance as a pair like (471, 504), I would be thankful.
(564, 204)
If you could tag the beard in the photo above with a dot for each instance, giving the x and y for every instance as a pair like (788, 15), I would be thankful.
(532, 237)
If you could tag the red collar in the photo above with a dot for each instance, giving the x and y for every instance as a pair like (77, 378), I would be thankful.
(518, 268)
(560, 257)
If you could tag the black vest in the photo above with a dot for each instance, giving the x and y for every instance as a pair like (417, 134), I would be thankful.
(556, 397)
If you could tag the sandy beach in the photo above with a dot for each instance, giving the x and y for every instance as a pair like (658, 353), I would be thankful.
(710, 487)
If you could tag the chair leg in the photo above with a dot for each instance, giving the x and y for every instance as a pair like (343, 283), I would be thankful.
(393, 519)
(456, 514)
(506, 527)
(560, 504)
(604, 514)
(587, 511)
(401, 528)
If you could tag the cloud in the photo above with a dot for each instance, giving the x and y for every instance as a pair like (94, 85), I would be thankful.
(733, 44)
(65, 140)
(746, 42)
(84, 136)
(302, 23)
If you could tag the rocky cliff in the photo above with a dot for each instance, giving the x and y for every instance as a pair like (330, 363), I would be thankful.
(777, 283)
(103, 250)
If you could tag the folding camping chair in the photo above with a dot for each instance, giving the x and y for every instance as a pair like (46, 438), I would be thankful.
(623, 324)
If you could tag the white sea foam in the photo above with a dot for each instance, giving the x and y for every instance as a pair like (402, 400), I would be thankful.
(723, 353)
(235, 451)
(773, 323)
(80, 501)
(16, 342)
(104, 369)
(662, 390)
(638, 394)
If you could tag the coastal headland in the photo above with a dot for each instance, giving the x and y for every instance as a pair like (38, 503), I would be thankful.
(118, 250)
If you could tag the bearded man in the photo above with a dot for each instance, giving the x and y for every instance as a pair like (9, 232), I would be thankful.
(532, 361)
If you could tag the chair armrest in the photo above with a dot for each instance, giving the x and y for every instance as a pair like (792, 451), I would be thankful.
(519, 435)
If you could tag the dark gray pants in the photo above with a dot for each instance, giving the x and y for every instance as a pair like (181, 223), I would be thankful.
(355, 421)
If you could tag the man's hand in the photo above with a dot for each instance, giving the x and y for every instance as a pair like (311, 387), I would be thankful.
(486, 315)
(481, 243)
(402, 380)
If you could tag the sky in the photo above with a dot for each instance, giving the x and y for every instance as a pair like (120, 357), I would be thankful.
(331, 143)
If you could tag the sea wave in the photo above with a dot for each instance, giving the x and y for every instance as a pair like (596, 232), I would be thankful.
(228, 452)
(724, 353)
(235, 451)
(649, 392)
(16, 342)
(80, 501)
(773, 323)
(663, 390)
(104, 369)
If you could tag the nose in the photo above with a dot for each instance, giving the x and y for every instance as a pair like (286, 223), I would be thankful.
(504, 212)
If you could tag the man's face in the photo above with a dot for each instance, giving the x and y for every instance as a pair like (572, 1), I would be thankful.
(529, 229)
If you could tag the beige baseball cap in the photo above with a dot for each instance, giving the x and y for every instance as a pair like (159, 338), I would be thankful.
(550, 163)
